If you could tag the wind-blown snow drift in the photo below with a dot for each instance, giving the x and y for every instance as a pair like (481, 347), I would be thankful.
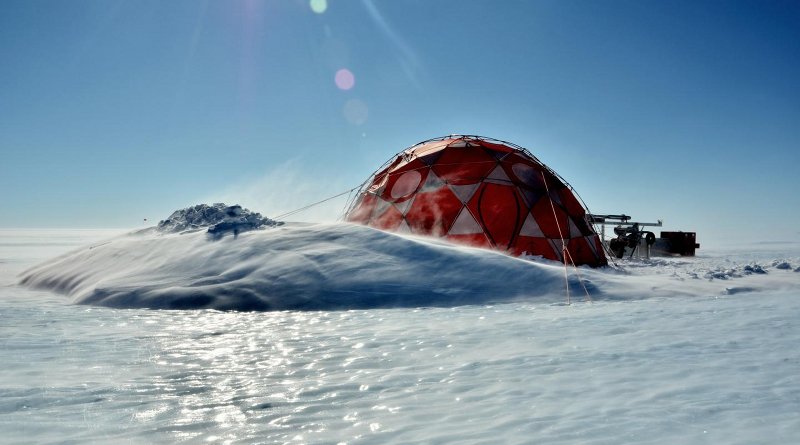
(296, 266)
(344, 266)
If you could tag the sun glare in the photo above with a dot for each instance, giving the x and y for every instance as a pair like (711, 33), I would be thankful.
(319, 6)
(344, 79)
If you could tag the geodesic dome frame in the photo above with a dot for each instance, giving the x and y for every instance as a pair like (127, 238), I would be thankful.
(482, 192)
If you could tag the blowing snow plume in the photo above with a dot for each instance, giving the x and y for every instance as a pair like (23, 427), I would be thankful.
(227, 258)
(281, 189)
(180, 265)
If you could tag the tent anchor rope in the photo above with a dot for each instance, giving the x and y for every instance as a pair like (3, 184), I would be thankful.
(580, 279)
(292, 212)
(560, 235)
(564, 250)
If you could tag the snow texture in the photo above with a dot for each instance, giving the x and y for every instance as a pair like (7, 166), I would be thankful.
(683, 358)
(295, 266)
(343, 266)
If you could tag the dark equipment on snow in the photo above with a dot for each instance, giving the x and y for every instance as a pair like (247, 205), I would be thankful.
(629, 236)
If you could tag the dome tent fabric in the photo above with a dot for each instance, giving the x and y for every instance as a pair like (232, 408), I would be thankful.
(480, 192)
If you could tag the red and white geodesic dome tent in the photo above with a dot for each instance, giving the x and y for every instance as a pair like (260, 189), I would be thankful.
(480, 192)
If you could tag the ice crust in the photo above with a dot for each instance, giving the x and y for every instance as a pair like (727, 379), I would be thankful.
(344, 266)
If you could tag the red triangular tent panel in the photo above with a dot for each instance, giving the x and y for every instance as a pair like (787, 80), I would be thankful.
(405, 184)
(434, 212)
(388, 220)
(363, 209)
(499, 211)
(463, 165)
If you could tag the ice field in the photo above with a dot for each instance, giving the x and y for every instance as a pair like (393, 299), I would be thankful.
(349, 335)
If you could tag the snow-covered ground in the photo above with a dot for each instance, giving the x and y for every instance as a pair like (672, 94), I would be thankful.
(345, 266)
(443, 344)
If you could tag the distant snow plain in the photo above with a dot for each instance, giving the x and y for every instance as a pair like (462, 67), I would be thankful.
(359, 336)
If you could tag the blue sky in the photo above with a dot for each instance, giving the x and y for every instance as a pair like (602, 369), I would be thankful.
(115, 111)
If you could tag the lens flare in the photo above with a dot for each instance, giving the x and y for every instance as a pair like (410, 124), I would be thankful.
(318, 6)
(355, 111)
(344, 79)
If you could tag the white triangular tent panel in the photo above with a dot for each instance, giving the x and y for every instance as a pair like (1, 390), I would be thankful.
(558, 248)
(499, 155)
(464, 192)
(531, 228)
(403, 207)
(403, 227)
(529, 196)
(379, 187)
(465, 224)
(573, 229)
(380, 207)
(431, 183)
(498, 176)
(526, 173)
(590, 241)
(555, 198)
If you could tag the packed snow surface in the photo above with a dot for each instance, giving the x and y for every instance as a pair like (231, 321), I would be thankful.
(679, 350)
(344, 266)
(295, 266)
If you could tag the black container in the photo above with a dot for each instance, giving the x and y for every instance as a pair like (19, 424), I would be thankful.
(681, 243)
